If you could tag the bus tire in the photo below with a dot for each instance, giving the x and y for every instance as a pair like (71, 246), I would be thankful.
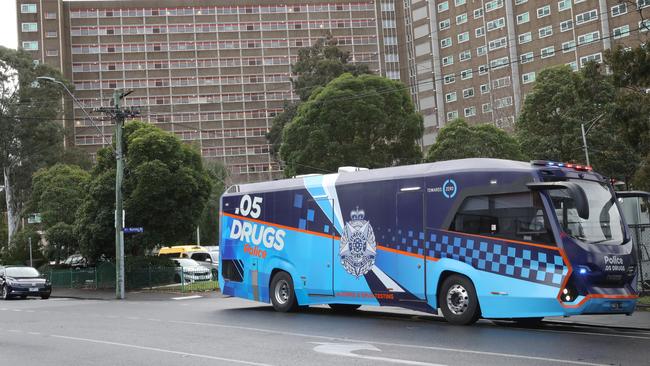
(344, 308)
(283, 296)
(458, 301)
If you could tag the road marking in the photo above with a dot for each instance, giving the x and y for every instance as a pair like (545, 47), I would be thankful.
(34, 333)
(187, 297)
(434, 348)
(347, 350)
(591, 333)
(97, 341)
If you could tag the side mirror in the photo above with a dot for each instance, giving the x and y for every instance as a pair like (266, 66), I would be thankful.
(577, 193)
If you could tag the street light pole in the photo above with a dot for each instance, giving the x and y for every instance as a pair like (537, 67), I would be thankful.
(584, 142)
(119, 176)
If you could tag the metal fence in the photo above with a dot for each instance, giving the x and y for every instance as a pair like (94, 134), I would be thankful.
(641, 237)
(158, 279)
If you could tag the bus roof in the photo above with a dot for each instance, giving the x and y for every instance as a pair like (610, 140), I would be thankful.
(404, 171)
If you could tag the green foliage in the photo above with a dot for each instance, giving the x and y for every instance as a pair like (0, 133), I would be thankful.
(165, 191)
(550, 122)
(642, 176)
(62, 241)
(321, 63)
(18, 251)
(364, 120)
(209, 222)
(316, 67)
(57, 192)
(457, 140)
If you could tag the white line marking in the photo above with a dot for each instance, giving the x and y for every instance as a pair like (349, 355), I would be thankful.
(387, 281)
(187, 297)
(446, 349)
(159, 350)
(34, 333)
(347, 350)
(591, 333)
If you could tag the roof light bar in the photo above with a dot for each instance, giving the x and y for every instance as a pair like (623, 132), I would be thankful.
(579, 167)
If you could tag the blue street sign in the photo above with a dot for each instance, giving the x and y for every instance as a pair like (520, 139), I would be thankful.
(132, 230)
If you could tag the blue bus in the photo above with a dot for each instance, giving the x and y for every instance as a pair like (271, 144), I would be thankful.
(474, 238)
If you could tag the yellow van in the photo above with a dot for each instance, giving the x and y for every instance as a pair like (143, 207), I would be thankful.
(180, 251)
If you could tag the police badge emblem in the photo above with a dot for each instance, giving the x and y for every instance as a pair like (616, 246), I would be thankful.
(358, 248)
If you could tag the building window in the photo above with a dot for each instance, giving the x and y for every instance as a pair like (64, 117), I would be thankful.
(28, 9)
(497, 43)
(480, 31)
(443, 6)
(496, 24)
(459, 2)
(563, 5)
(447, 60)
(485, 88)
(460, 19)
(486, 108)
(566, 25)
(29, 27)
(450, 79)
(50, 15)
(389, 23)
(546, 31)
(465, 55)
(587, 16)
(480, 51)
(519, 2)
(463, 37)
(548, 52)
(598, 57)
(493, 5)
(393, 75)
(501, 82)
(573, 65)
(503, 102)
(470, 111)
(568, 46)
(523, 18)
(499, 63)
(391, 57)
(588, 38)
(528, 78)
(30, 45)
(644, 25)
(444, 24)
(52, 53)
(640, 4)
(619, 9)
(621, 32)
(51, 34)
(526, 57)
(483, 69)
(387, 41)
(450, 97)
(543, 11)
(478, 13)
(385, 7)
(468, 93)
(525, 37)
(452, 115)
(466, 74)
(445, 42)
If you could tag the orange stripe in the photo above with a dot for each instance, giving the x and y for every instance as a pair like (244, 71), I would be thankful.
(506, 240)
(282, 226)
(599, 296)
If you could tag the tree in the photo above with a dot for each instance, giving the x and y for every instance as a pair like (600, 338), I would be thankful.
(549, 125)
(316, 66)
(165, 192)
(62, 242)
(209, 222)
(364, 120)
(30, 138)
(458, 140)
(57, 192)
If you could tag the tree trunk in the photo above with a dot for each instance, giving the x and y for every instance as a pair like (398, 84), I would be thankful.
(12, 210)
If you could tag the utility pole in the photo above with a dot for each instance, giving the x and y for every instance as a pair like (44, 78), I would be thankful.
(118, 115)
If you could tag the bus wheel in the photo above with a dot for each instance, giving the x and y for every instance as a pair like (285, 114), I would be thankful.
(283, 296)
(458, 301)
(344, 308)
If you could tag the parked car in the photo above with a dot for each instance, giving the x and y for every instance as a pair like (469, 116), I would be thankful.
(208, 259)
(190, 270)
(23, 281)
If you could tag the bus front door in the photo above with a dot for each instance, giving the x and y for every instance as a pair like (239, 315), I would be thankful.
(411, 268)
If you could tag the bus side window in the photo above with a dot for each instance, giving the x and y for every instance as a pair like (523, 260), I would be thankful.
(516, 216)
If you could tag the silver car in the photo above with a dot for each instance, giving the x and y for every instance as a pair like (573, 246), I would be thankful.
(190, 271)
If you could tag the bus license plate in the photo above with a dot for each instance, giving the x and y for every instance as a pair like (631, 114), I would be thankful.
(616, 306)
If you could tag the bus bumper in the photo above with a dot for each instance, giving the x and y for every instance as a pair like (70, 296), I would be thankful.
(586, 305)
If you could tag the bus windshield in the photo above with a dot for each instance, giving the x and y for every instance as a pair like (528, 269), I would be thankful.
(604, 225)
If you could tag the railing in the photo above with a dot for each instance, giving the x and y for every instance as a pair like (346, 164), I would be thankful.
(641, 237)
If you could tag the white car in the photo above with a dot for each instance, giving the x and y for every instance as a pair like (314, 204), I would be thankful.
(190, 271)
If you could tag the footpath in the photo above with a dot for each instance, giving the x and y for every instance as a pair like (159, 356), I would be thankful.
(640, 319)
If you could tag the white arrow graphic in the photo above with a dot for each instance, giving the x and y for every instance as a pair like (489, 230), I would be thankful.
(347, 350)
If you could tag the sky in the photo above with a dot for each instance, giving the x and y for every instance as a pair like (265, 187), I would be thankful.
(8, 35)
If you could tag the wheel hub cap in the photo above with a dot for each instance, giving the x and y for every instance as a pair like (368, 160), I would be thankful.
(457, 299)
(282, 292)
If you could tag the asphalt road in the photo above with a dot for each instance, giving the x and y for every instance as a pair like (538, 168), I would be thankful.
(227, 331)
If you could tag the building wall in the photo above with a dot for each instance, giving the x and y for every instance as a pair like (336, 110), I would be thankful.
(211, 72)
(478, 59)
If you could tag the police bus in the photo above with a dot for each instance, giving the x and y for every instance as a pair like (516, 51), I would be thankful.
(474, 238)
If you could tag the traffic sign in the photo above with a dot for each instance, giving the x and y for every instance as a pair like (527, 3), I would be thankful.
(132, 230)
